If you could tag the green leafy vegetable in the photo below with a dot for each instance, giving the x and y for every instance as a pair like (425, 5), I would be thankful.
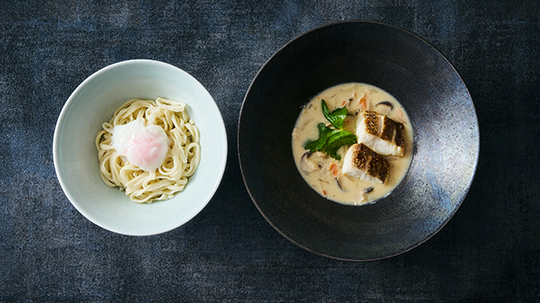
(336, 117)
(338, 140)
(331, 139)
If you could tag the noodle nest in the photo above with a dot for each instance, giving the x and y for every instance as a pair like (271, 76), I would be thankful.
(181, 161)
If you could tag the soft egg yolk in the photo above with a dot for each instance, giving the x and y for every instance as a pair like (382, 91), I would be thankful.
(144, 146)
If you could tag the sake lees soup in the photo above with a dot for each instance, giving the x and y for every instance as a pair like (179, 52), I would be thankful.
(360, 150)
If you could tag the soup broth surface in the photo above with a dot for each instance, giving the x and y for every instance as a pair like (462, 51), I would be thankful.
(319, 170)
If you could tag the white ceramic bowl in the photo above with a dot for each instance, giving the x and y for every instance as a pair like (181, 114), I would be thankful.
(94, 102)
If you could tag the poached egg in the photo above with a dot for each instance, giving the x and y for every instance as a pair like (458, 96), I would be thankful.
(144, 146)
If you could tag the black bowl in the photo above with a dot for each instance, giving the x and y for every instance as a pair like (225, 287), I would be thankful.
(439, 106)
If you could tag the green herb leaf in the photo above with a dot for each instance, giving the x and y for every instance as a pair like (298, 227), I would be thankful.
(336, 117)
(331, 139)
(324, 134)
(338, 140)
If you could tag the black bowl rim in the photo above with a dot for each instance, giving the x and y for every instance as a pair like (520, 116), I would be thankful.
(466, 190)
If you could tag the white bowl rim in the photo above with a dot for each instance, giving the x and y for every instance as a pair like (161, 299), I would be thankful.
(56, 158)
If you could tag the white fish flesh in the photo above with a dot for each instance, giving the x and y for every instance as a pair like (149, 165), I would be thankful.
(363, 163)
(381, 134)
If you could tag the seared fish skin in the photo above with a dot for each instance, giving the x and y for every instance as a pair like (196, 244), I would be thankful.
(362, 162)
(380, 133)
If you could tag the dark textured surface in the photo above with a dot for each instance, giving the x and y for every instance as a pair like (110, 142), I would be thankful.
(49, 252)
(445, 136)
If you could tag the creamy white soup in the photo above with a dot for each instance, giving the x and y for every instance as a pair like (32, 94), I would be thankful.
(360, 150)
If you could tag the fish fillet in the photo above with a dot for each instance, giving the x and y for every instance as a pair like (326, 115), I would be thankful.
(363, 163)
(380, 133)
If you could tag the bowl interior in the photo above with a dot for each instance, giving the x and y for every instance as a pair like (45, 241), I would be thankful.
(94, 102)
(439, 107)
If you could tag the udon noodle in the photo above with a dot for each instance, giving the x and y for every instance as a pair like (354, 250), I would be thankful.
(181, 161)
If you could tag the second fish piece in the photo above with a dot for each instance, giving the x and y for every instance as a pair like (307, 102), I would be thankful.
(381, 134)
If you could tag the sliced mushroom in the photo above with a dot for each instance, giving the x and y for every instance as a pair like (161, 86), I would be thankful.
(339, 184)
(307, 165)
(384, 107)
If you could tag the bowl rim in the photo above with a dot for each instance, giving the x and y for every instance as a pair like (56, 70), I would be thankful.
(56, 146)
(465, 190)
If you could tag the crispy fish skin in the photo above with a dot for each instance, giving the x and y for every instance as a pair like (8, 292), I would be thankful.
(362, 162)
(371, 120)
(380, 133)
(400, 135)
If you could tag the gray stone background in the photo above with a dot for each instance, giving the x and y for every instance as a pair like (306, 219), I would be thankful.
(488, 252)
